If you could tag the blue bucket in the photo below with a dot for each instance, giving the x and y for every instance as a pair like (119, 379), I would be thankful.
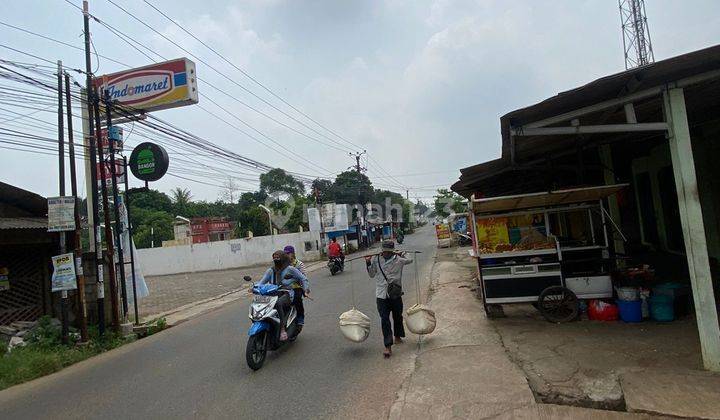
(661, 308)
(630, 310)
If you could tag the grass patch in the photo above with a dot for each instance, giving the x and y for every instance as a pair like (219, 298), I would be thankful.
(44, 353)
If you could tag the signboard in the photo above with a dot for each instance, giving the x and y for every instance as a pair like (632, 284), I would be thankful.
(334, 218)
(116, 135)
(314, 219)
(460, 225)
(149, 161)
(61, 214)
(492, 231)
(442, 231)
(119, 173)
(63, 277)
(169, 84)
(4, 279)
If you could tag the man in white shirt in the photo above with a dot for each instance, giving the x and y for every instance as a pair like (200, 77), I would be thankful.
(387, 270)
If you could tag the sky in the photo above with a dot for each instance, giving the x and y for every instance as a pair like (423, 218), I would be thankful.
(419, 84)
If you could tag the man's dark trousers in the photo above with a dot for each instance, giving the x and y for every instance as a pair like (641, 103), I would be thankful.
(386, 307)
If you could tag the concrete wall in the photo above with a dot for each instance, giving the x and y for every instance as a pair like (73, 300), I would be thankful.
(224, 254)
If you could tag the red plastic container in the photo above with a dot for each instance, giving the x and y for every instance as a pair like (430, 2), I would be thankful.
(600, 310)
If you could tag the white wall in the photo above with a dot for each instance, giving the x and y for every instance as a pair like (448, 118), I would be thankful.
(224, 254)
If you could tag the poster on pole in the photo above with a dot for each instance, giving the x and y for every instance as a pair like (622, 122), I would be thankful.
(61, 214)
(63, 277)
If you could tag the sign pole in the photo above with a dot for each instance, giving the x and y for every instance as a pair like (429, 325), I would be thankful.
(130, 243)
(82, 316)
(116, 201)
(106, 214)
(61, 173)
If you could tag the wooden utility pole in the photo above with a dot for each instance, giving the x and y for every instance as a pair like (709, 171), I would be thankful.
(82, 316)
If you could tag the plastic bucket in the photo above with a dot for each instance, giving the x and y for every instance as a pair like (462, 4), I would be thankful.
(628, 293)
(630, 310)
(661, 308)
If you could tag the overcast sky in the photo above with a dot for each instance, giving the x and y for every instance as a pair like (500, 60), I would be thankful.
(420, 84)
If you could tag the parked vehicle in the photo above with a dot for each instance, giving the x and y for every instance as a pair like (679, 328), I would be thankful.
(264, 333)
(400, 237)
(336, 265)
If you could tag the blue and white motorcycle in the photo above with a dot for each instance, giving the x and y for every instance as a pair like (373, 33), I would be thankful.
(264, 333)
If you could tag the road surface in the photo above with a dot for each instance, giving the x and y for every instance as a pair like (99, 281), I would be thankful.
(197, 369)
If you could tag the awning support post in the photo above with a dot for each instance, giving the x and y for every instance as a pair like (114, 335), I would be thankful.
(693, 227)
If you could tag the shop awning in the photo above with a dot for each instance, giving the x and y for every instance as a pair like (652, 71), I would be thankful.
(543, 199)
(23, 223)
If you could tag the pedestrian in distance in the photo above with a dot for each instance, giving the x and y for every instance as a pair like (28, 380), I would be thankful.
(386, 268)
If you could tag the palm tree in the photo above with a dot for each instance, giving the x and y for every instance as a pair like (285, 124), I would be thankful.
(181, 198)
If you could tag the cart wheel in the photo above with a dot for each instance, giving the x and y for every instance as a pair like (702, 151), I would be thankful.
(558, 304)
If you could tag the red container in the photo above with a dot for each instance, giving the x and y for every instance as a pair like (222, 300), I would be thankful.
(600, 310)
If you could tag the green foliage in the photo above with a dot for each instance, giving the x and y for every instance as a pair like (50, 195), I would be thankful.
(446, 200)
(150, 225)
(157, 326)
(323, 187)
(279, 181)
(44, 353)
(351, 187)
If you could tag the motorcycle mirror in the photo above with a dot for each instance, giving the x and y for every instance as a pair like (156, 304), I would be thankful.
(247, 278)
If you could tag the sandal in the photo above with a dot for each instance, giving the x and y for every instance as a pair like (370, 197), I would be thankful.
(283, 336)
(387, 352)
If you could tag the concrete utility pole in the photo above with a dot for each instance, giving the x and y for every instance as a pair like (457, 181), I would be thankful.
(360, 170)
(93, 207)
(61, 175)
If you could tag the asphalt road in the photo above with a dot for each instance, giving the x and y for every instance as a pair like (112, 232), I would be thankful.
(197, 369)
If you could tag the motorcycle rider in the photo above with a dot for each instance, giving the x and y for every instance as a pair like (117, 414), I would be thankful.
(276, 275)
(335, 251)
(298, 289)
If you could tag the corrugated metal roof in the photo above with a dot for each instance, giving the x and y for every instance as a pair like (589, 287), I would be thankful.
(652, 75)
(30, 202)
(23, 223)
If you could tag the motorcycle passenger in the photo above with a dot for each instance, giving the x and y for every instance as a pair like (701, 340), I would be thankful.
(298, 289)
(276, 275)
(335, 251)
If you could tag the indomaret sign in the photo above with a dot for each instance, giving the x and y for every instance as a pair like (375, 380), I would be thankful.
(164, 85)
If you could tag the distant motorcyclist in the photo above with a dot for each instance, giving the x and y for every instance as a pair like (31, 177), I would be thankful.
(276, 275)
(335, 251)
(298, 288)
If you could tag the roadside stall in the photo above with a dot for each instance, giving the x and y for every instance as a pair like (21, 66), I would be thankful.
(550, 249)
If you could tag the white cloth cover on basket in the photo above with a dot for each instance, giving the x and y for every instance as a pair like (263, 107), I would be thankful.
(355, 325)
(420, 319)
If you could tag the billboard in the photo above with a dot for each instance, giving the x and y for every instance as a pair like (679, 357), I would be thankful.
(169, 84)
(334, 218)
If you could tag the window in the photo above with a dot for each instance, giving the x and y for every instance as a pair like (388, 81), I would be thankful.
(308, 246)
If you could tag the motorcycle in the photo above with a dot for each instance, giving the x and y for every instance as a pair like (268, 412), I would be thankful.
(264, 333)
(336, 265)
(400, 237)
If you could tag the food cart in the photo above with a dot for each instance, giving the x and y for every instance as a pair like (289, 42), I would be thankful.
(550, 249)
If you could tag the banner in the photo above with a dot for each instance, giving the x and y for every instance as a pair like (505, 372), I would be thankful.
(61, 214)
(63, 277)
(492, 231)
(442, 231)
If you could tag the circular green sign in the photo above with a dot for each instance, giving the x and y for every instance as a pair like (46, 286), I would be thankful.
(149, 161)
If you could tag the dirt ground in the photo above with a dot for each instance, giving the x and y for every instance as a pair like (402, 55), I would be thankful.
(581, 363)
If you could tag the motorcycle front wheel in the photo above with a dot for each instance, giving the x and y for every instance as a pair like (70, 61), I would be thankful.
(256, 350)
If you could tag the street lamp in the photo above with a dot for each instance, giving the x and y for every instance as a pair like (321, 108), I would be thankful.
(269, 213)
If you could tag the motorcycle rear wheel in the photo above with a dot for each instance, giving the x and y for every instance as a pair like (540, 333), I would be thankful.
(256, 350)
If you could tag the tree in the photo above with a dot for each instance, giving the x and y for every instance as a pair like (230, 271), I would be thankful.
(351, 187)
(323, 187)
(447, 201)
(230, 190)
(150, 199)
(181, 200)
(279, 181)
(151, 225)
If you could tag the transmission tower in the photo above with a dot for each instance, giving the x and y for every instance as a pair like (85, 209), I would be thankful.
(636, 34)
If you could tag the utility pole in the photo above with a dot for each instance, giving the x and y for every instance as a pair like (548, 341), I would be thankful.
(78, 241)
(106, 213)
(322, 227)
(93, 209)
(116, 201)
(361, 202)
(130, 242)
(61, 173)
